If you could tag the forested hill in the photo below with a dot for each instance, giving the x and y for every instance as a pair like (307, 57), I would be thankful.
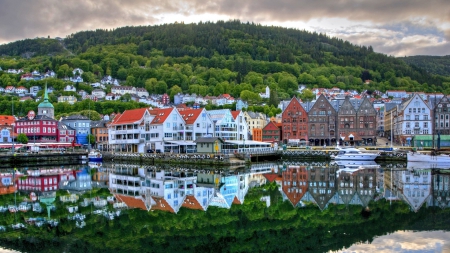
(188, 55)
(439, 65)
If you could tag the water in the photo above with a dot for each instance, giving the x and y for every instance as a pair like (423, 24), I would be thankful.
(289, 207)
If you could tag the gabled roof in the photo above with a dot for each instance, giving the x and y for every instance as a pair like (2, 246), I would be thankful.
(190, 115)
(235, 114)
(236, 201)
(129, 116)
(162, 204)
(192, 203)
(132, 202)
(208, 140)
(270, 176)
(160, 115)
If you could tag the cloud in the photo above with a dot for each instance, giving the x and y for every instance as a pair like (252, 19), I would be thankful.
(405, 241)
(415, 26)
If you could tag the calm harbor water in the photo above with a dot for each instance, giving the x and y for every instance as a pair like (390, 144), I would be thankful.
(289, 207)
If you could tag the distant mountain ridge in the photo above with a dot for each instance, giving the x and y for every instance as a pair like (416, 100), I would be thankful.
(238, 43)
(439, 65)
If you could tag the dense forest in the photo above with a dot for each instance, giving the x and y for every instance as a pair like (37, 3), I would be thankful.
(250, 227)
(231, 57)
(439, 65)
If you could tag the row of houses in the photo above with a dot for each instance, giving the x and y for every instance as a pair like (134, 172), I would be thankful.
(416, 116)
(149, 188)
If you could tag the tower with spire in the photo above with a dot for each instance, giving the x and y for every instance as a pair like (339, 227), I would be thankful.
(45, 107)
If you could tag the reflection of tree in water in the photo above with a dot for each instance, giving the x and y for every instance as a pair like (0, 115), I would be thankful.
(245, 228)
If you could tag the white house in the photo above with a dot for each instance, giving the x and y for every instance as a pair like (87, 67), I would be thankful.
(76, 79)
(265, 94)
(70, 88)
(130, 131)
(77, 71)
(241, 123)
(21, 90)
(167, 127)
(198, 124)
(224, 124)
(99, 93)
(10, 89)
(109, 80)
(412, 117)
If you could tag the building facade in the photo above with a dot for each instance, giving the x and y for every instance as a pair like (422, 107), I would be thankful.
(322, 123)
(294, 122)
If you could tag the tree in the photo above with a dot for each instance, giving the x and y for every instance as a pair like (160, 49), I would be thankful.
(307, 95)
(91, 139)
(22, 138)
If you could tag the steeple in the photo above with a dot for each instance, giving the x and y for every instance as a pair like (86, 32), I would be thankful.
(45, 107)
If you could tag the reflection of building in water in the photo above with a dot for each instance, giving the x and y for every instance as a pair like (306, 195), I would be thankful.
(45, 180)
(295, 183)
(441, 191)
(8, 182)
(414, 187)
(390, 185)
(346, 186)
(380, 180)
(262, 173)
(322, 184)
(81, 182)
(125, 183)
(227, 192)
(365, 185)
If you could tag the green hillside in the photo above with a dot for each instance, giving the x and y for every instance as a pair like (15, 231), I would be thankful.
(214, 58)
(439, 65)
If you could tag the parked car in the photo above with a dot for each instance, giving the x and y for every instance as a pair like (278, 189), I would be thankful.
(153, 151)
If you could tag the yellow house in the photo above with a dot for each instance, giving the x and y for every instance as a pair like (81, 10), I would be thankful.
(255, 120)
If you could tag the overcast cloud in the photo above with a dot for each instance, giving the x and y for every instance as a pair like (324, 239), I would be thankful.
(393, 27)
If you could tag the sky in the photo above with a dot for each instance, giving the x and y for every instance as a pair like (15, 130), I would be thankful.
(405, 242)
(392, 27)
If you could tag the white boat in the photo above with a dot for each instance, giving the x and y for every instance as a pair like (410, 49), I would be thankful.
(354, 154)
(95, 156)
(428, 158)
(358, 164)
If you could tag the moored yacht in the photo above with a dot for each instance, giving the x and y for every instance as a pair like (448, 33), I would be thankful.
(351, 153)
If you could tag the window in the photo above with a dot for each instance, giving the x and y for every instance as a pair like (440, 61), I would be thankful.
(167, 125)
(416, 117)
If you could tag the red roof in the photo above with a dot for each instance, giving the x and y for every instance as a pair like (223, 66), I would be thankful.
(162, 204)
(190, 115)
(160, 115)
(236, 201)
(129, 116)
(235, 114)
(6, 120)
(270, 176)
(192, 203)
(132, 202)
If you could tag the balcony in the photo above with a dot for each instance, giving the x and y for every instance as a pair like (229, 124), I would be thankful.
(130, 131)
(125, 141)
(178, 128)
(189, 128)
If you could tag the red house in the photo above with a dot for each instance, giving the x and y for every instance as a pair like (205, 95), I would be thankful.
(295, 122)
(271, 133)
(44, 180)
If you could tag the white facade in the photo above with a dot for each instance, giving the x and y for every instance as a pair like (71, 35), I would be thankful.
(225, 126)
(127, 133)
(413, 118)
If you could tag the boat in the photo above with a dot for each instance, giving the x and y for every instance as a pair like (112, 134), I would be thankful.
(351, 153)
(351, 164)
(428, 158)
(95, 156)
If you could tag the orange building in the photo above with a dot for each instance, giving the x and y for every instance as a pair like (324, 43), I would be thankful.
(100, 130)
(257, 134)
